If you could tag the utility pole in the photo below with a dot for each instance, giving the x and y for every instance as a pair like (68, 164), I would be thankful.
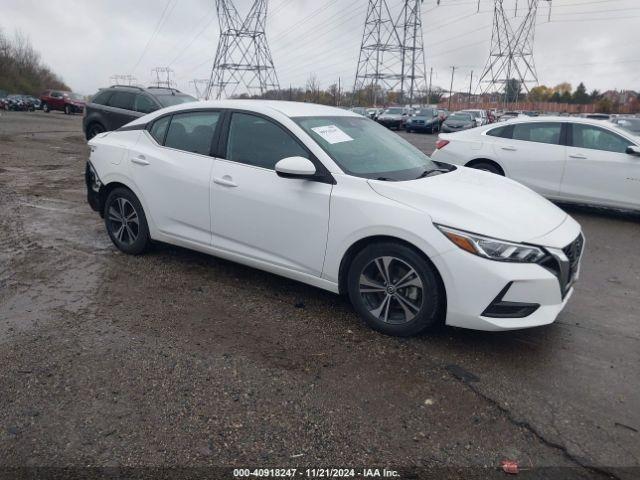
(453, 71)
(429, 94)
(339, 91)
(470, 83)
(243, 62)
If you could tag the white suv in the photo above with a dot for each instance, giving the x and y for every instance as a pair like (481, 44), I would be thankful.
(332, 199)
(565, 159)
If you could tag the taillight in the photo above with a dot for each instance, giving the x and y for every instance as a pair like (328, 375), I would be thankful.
(441, 144)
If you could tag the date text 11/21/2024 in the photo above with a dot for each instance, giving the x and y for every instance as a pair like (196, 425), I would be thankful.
(315, 473)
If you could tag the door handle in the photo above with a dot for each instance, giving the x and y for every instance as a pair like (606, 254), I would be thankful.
(509, 149)
(225, 181)
(578, 156)
(140, 160)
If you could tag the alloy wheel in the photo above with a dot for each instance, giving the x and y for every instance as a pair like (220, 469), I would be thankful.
(123, 221)
(391, 290)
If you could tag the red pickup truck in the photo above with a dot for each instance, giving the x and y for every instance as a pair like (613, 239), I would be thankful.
(67, 102)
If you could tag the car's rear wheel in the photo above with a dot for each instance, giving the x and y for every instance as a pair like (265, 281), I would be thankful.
(126, 222)
(395, 289)
(45, 108)
(487, 167)
(94, 129)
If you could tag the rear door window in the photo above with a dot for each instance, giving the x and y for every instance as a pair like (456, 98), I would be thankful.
(122, 100)
(502, 132)
(192, 132)
(539, 132)
(101, 98)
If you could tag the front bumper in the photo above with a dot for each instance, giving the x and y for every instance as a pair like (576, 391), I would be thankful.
(93, 187)
(391, 123)
(475, 285)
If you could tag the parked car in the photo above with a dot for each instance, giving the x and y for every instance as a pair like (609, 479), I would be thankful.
(374, 112)
(3, 99)
(565, 159)
(394, 117)
(443, 113)
(360, 111)
(113, 107)
(506, 116)
(458, 121)
(480, 116)
(18, 103)
(631, 124)
(37, 104)
(598, 116)
(424, 120)
(67, 102)
(326, 197)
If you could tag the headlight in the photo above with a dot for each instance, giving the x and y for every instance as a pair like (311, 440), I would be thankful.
(492, 248)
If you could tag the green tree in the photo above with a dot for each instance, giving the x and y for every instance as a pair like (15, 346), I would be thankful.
(512, 90)
(595, 95)
(580, 96)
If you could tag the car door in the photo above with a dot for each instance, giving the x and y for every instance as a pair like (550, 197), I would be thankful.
(599, 170)
(259, 215)
(121, 109)
(171, 165)
(56, 101)
(532, 153)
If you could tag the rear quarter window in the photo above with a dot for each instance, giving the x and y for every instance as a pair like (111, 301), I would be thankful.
(101, 98)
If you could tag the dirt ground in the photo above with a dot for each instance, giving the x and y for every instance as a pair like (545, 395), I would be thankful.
(176, 358)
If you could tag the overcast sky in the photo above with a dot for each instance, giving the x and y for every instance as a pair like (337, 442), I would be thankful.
(86, 42)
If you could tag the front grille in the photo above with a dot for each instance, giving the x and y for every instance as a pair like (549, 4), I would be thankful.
(565, 267)
(573, 251)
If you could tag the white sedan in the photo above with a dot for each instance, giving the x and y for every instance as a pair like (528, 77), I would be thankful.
(565, 159)
(332, 199)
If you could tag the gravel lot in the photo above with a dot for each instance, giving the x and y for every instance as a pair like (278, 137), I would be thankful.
(177, 358)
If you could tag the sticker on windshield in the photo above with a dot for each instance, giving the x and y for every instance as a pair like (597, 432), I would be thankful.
(332, 134)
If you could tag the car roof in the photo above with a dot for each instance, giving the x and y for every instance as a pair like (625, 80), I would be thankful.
(543, 119)
(268, 107)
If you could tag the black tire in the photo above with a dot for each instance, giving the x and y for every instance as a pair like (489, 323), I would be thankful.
(94, 129)
(488, 167)
(45, 108)
(425, 302)
(67, 110)
(129, 239)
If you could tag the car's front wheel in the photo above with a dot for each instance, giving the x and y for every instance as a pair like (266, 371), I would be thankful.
(67, 110)
(395, 289)
(94, 129)
(45, 108)
(487, 167)
(126, 222)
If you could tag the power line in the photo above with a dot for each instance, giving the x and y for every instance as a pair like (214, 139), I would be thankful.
(154, 33)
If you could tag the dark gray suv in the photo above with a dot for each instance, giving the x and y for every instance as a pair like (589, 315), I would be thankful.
(113, 107)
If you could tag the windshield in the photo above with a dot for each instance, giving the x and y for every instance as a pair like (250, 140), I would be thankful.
(425, 113)
(460, 117)
(170, 100)
(363, 148)
(394, 111)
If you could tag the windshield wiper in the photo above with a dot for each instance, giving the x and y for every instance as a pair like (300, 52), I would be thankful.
(428, 173)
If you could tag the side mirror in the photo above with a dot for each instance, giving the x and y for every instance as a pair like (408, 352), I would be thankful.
(633, 150)
(295, 167)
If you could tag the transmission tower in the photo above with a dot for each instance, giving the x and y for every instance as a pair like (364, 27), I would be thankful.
(200, 86)
(392, 52)
(123, 80)
(243, 59)
(511, 54)
(163, 77)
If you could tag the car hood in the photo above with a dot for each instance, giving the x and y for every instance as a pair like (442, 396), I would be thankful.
(389, 116)
(478, 202)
